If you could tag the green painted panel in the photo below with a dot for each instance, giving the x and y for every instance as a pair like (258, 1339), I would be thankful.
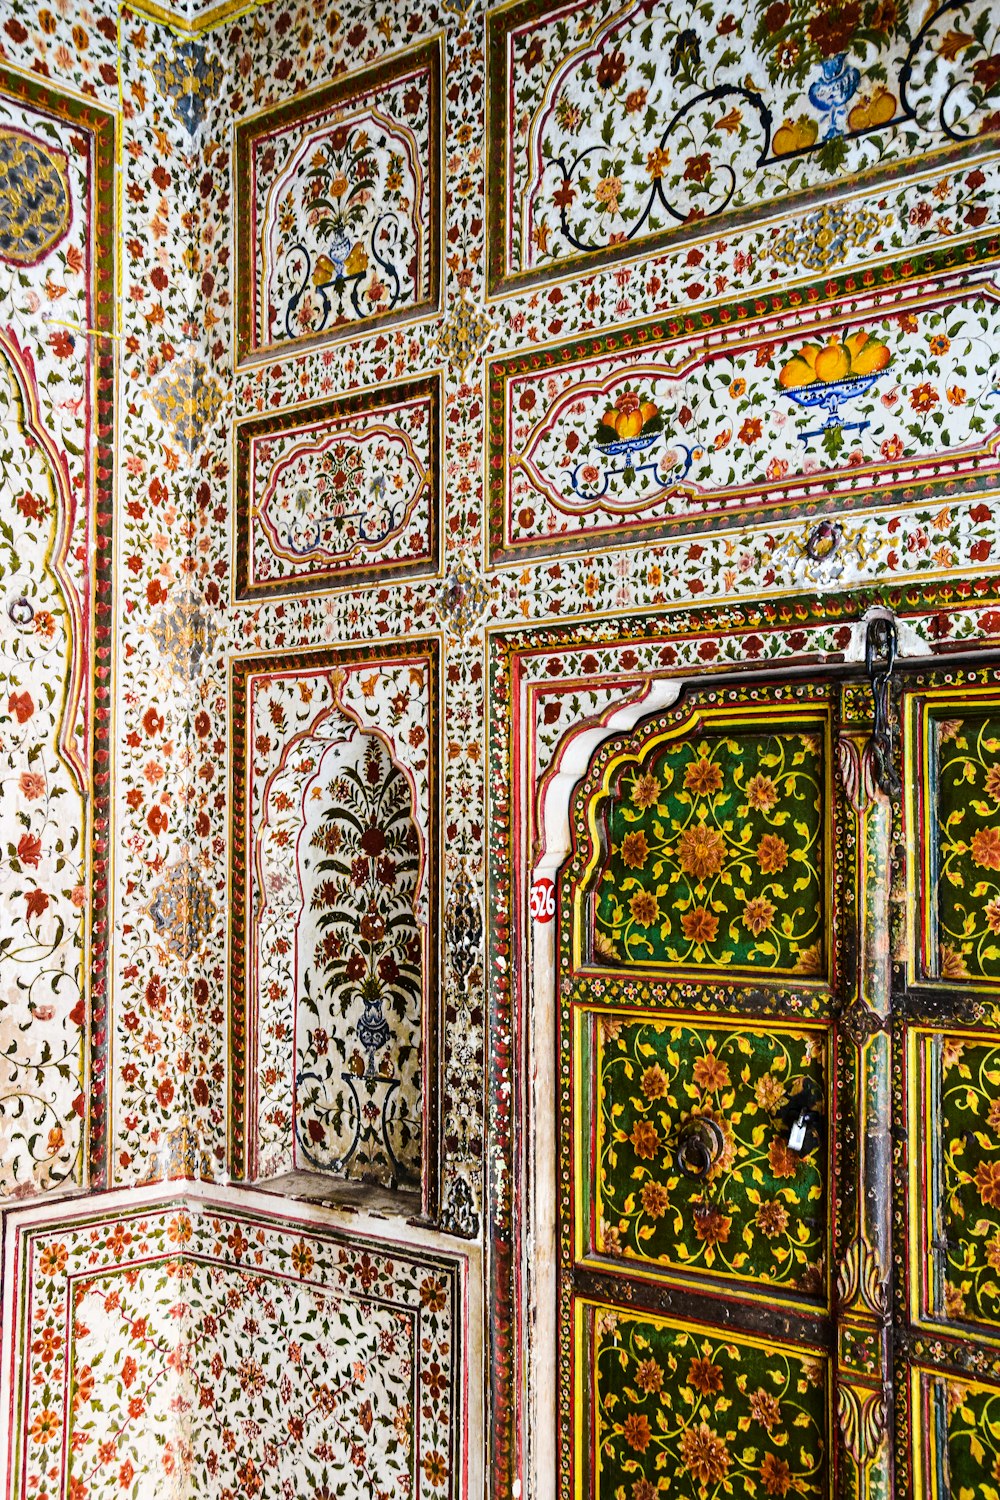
(760, 1213)
(715, 857)
(962, 1461)
(684, 1413)
(968, 847)
(966, 1260)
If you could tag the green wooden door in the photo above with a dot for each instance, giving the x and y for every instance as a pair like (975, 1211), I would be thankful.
(725, 1103)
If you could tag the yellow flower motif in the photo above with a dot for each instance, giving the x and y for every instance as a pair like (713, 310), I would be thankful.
(764, 1407)
(772, 1218)
(762, 793)
(657, 162)
(705, 1376)
(605, 946)
(700, 851)
(952, 963)
(705, 1455)
(758, 915)
(700, 925)
(770, 1093)
(772, 854)
(645, 791)
(985, 848)
(654, 1082)
(810, 960)
(710, 1074)
(645, 1139)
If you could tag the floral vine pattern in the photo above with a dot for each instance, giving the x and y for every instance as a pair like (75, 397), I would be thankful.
(56, 198)
(341, 208)
(617, 127)
(313, 981)
(964, 1203)
(358, 1046)
(718, 1416)
(759, 1214)
(968, 847)
(201, 1350)
(715, 856)
(961, 1439)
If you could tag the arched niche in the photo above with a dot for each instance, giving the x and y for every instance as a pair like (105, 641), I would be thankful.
(339, 958)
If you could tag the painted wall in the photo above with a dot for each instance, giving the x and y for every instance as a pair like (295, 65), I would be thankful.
(390, 397)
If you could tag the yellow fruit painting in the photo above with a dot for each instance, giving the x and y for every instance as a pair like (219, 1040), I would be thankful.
(844, 356)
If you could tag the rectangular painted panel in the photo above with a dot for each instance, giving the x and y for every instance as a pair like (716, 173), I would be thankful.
(955, 1114)
(671, 1096)
(966, 760)
(713, 855)
(679, 425)
(341, 492)
(956, 1437)
(614, 131)
(709, 1413)
(338, 207)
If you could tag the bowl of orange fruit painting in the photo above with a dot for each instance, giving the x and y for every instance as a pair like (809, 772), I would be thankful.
(828, 375)
(631, 424)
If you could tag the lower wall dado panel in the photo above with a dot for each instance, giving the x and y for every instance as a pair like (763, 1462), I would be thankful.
(179, 1346)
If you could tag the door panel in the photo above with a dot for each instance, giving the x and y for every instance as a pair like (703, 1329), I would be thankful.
(953, 814)
(947, 972)
(703, 917)
(956, 1178)
(713, 851)
(750, 944)
(681, 1408)
(693, 1172)
(956, 1437)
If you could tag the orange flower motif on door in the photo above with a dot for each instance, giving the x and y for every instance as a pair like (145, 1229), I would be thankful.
(720, 1417)
(714, 856)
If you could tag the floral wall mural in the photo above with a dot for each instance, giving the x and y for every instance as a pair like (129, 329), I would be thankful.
(399, 409)
(55, 190)
(597, 146)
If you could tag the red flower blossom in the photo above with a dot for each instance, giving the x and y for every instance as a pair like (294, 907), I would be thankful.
(38, 903)
(29, 849)
(21, 705)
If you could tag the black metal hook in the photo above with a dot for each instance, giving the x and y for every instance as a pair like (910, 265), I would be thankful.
(881, 643)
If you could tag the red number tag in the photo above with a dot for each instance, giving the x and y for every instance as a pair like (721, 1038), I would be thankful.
(543, 900)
